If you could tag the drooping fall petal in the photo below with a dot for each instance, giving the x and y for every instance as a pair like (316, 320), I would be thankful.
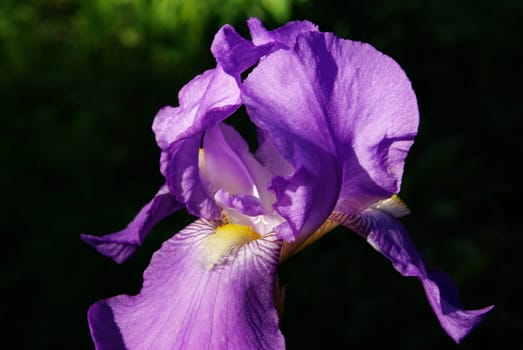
(192, 300)
(121, 245)
(388, 236)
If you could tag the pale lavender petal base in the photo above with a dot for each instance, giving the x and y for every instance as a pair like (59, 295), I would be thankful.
(121, 245)
(184, 304)
(231, 167)
(243, 203)
(388, 236)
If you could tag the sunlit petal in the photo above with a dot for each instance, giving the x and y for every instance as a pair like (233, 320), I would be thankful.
(187, 304)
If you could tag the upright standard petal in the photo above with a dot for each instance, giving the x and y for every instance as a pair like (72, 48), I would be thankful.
(343, 114)
(236, 54)
(376, 121)
(204, 102)
(121, 245)
(283, 37)
(270, 158)
(187, 303)
(387, 235)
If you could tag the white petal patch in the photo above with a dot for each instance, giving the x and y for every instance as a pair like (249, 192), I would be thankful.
(393, 206)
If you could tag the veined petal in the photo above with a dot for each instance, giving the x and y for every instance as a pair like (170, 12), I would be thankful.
(204, 102)
(270, 158)
(343, 114)
(387, 235)
(121, 245)
(377, 120)
(185, 304)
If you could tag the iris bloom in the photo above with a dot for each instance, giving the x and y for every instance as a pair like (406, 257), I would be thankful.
(335, 120)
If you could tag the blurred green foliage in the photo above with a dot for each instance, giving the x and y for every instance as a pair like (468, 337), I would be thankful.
(80, 83)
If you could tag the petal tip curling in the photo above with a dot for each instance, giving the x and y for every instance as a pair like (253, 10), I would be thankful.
(114, 249)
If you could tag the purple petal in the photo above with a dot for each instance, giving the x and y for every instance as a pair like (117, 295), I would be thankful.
(383, 122)
(224, 161)
(204, 102)
(184, 304)
(284, 36)
(234, 53)
(443, 296)
(245, 204)
(270, 158)
(230, 166)
(180, 167)
(122, 244)
(388, 236)
(344, 116)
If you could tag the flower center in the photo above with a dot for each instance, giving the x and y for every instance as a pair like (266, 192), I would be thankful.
(236, 180)
(225, 242)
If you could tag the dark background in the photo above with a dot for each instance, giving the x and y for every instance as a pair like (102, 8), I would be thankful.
(80, 83)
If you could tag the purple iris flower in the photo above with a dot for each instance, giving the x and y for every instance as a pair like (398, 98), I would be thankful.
(335, 120)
